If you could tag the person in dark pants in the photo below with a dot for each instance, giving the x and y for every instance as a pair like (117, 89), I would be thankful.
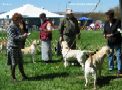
(58, 47)
(69, 28)
(15, 40)
(113, 37)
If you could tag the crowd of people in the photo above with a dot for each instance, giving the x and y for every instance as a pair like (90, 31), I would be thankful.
(69, 31)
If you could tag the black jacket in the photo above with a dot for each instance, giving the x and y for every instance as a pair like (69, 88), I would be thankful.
(116, 38)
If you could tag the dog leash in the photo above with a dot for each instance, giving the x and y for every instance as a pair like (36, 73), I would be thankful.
(97, 4)
(91, 64)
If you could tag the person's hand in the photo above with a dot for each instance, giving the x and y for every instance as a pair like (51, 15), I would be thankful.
(25, 35)
(49, 27)
(109, 35)
(28, 34)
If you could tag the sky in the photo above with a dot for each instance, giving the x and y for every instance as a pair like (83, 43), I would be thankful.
(61, 5)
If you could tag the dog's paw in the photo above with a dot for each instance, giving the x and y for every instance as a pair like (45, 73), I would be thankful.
(95, 88)
(85, 85)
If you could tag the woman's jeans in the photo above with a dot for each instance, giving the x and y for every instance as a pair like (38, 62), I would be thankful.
(118, 57)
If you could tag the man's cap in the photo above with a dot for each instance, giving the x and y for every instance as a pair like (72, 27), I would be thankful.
(69, 11)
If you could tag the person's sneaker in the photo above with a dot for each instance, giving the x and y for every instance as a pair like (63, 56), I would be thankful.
(119, 72)
(49, 61)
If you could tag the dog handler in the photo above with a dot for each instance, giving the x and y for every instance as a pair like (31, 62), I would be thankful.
(113, 37)
(69, 28)
(45, 37)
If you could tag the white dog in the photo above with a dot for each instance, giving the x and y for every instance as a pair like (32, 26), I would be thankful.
(31, 49)
(81, 56)
(94, 64)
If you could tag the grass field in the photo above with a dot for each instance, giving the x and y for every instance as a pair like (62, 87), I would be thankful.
(54, 76)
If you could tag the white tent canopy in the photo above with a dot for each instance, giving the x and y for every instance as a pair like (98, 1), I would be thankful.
(29, 10)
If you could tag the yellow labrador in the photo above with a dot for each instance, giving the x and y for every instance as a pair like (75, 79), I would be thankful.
(31, 49)
(94, 64)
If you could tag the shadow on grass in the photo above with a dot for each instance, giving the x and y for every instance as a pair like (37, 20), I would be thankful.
(40, 61)
(106, 80)
(55, 61)
(48, 76)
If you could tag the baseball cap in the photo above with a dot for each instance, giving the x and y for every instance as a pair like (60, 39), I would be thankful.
(69, 11)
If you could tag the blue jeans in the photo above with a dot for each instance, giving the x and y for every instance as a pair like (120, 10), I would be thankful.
(118, 56)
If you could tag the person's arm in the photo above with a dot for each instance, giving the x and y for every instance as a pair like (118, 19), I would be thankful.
(49, 27)
(119, 24)
(77, 28)
(13, 34)
(106, 35)
(104, 31)
(118, 31)
(61, 28)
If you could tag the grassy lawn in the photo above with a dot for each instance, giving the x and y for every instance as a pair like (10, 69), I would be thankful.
(54, 76)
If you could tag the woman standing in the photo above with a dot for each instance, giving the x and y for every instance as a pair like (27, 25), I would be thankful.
(15, 40)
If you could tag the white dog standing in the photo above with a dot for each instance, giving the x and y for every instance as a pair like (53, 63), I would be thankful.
(31, 49)
(94, 64)
(81, 56)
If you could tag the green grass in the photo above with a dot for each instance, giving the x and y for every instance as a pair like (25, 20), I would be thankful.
(54, 76)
